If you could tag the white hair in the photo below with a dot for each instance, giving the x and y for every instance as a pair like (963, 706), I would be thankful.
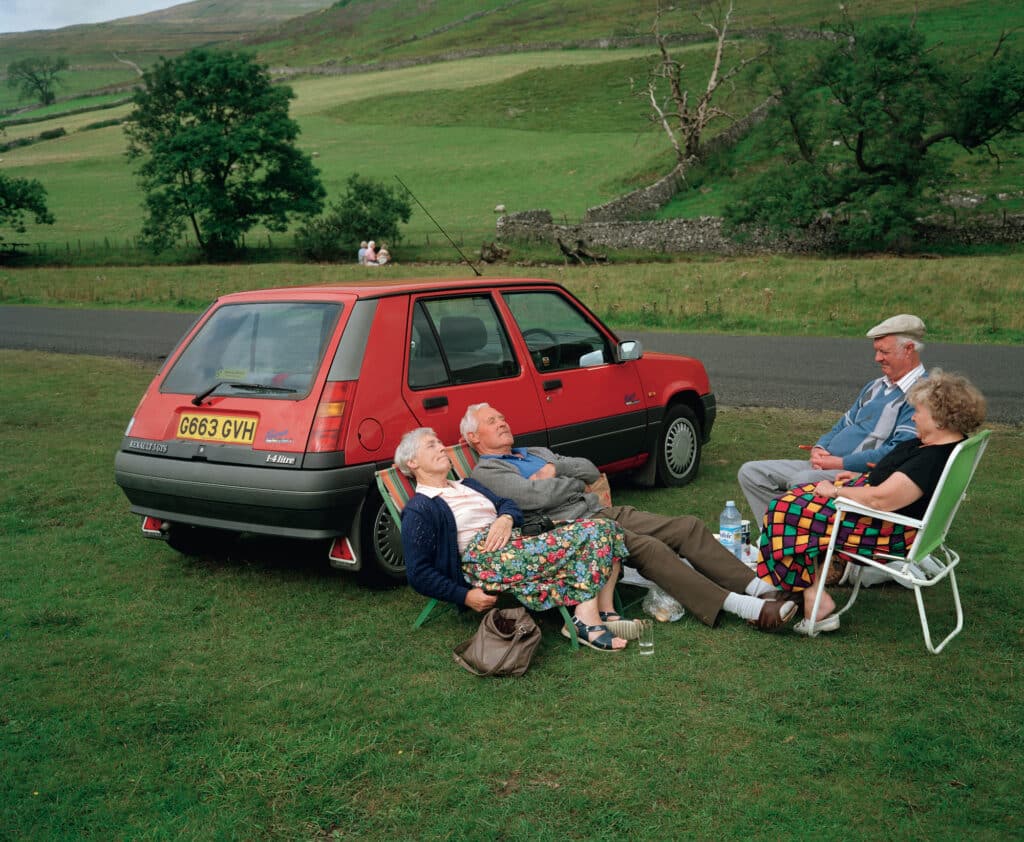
(408, 446)
(470, 422)
(910, 340)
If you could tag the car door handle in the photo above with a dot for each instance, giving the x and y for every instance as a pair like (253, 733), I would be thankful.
(551, 385)
(435, 403)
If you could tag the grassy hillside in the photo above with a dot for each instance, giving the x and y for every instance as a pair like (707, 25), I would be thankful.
(556, 129)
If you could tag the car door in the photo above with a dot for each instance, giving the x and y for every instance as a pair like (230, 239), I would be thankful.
(592, 405)
(460, 353)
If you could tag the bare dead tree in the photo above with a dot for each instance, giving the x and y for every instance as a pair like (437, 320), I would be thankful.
(683, 120)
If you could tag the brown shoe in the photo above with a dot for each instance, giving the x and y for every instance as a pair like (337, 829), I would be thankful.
(775, 614)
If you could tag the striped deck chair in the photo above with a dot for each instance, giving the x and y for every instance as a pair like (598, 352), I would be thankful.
(396, 489)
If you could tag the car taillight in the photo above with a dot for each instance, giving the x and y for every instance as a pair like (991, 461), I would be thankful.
(329, 425)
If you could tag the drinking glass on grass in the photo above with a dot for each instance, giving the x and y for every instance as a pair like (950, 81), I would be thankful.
(646, 639)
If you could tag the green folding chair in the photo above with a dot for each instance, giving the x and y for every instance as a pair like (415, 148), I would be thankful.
(929, 561)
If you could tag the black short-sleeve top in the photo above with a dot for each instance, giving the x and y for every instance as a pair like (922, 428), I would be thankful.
(923, 464)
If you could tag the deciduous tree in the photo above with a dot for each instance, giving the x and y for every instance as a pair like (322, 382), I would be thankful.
(368, 209)
(37, 77)
(21, 198)
(870, 117)
(217, 151)
(684, 114)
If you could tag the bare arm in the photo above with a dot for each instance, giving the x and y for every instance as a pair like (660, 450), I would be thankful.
(895, 493)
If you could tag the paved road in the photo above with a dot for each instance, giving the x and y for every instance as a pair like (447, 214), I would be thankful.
(807, 372)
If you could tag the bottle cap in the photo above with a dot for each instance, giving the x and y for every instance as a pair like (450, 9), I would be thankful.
(730, 502)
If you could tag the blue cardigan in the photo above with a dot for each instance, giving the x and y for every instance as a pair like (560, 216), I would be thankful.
(431, 547)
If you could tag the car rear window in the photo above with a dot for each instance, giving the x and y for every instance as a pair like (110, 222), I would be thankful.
(265, 350)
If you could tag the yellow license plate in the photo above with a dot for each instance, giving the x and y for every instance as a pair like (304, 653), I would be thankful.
(232, 429)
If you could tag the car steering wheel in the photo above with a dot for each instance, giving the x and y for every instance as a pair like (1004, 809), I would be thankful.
(550, 350)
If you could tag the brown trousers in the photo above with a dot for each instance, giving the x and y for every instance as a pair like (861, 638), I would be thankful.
(655, 543)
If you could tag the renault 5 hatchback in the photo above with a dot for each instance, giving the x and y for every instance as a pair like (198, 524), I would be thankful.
(277, 407)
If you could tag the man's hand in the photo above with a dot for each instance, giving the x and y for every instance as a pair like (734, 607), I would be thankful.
(498, 534)
(822, 460)
(478, 600)
(547, 472)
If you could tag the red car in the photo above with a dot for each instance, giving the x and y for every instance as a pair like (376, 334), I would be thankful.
(276, 408)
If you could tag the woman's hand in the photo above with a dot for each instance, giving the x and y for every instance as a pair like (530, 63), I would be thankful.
(844, 477)
(498, 534)
(480, 600)
(826, 488)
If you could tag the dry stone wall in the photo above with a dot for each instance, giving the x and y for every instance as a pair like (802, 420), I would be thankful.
(705, 235)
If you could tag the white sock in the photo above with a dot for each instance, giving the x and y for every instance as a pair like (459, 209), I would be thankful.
(758, 587)
(744, 607)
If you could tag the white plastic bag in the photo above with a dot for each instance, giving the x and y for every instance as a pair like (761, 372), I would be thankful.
(662, 606)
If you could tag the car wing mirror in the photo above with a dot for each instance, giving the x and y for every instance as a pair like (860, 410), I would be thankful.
(630, 349)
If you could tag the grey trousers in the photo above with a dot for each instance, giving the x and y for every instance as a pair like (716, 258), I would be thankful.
(655, 543)
(763, 481)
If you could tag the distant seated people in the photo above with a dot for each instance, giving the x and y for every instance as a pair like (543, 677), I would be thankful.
(878, 420)
(361, 259)
(461, 545)
(370, 255)
(383, 256)
(798, 525)
(710, 579)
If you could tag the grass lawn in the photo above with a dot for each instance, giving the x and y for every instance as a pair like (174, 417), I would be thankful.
(259, 695)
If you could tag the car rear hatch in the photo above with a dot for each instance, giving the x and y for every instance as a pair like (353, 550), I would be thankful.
(245, 404)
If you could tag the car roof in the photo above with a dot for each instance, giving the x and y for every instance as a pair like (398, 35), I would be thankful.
(379, 289)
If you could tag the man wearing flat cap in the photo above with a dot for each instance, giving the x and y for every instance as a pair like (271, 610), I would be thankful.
(879, 419)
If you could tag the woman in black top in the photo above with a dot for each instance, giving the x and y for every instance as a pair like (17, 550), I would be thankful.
(798, 525)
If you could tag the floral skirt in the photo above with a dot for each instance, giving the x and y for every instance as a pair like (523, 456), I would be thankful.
(798, 527)
(565, 566)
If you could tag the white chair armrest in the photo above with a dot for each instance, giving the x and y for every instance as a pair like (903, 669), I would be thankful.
(848, 505)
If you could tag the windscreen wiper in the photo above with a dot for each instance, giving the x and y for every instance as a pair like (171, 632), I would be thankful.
(246, 387)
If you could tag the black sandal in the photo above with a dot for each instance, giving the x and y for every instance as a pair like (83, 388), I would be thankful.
(603, 642)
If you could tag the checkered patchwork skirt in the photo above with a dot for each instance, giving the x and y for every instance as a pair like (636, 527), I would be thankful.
(797, 530)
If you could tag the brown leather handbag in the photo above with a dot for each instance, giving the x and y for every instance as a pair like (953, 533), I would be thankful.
(503, 645)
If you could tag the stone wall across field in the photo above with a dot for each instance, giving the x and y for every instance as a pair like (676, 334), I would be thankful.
(705, 235)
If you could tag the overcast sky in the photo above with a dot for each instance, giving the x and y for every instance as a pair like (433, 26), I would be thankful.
(22, 15)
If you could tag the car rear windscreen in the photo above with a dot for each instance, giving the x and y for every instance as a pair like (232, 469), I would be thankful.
(269, 350)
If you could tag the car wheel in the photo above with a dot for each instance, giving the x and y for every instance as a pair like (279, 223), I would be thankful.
(380, 542)
(195, 540)
(679, 447)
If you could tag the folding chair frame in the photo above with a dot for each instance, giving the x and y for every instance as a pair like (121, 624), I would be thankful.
(928, 554)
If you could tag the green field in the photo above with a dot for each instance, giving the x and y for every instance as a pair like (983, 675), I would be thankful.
(258, 695)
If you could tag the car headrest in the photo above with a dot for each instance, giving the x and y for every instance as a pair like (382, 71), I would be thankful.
(463, 333)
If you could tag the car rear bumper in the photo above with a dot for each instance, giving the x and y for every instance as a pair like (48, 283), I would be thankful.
(308, 504)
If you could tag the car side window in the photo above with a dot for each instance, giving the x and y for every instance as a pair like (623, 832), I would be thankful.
(558, 334)
(458, 340)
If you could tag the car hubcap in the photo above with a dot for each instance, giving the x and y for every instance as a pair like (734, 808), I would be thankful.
(387, 542)
(680, 448)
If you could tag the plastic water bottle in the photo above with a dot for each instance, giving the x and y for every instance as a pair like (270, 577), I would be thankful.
(730, 525)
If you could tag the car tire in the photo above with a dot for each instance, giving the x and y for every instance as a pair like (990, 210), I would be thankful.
(679, 446)
(380, 543)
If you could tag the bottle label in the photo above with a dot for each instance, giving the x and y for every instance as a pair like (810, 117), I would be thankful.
(729, 535)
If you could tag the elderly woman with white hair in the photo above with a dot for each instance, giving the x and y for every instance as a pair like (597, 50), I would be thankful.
(462, 545)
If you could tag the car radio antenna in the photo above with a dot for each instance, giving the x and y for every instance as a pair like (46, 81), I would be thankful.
(439, 228)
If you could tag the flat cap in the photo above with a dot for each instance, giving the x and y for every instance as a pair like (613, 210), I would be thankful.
(903, 325)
